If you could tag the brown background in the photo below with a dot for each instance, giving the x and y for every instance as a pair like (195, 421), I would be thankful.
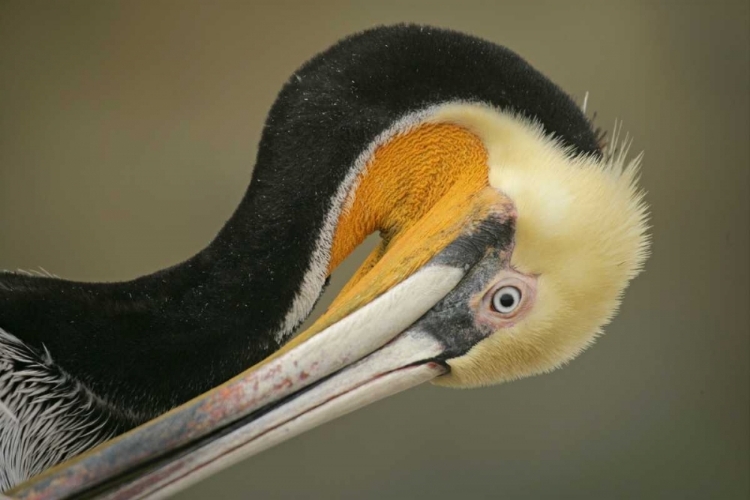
(127, 135)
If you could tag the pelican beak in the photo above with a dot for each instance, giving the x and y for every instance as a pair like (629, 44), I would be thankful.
(361, 350)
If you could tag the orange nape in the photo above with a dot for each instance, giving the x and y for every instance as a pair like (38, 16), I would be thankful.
(405, 178)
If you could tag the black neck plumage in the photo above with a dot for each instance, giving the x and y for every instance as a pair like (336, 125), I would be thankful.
(154, 342)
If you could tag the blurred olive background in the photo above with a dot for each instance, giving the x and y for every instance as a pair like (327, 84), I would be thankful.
(127, 136)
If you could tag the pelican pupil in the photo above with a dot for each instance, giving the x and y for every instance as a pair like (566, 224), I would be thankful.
(507, 300)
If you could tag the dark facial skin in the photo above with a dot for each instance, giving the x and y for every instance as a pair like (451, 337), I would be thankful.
(468, 314)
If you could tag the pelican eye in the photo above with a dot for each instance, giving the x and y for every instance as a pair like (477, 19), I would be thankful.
(506, 299)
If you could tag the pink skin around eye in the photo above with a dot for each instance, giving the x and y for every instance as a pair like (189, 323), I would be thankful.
(485, 315)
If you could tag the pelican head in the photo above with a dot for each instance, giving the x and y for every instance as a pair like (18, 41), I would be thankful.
(509, 235)
(579, 237)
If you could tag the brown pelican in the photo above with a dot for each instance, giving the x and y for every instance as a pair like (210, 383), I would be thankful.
(508, 237)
